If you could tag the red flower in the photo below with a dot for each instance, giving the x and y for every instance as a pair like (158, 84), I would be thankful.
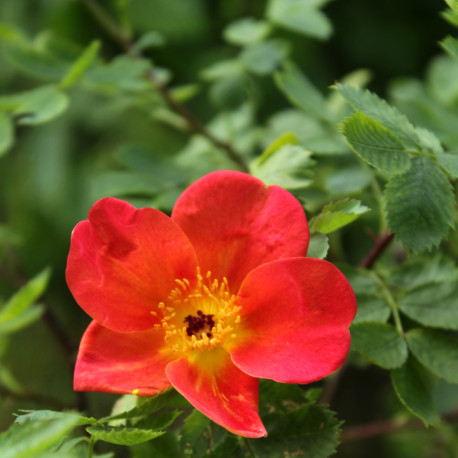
(207, 301)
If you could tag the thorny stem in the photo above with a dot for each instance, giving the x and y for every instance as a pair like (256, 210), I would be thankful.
(110, 26)
(390, 300)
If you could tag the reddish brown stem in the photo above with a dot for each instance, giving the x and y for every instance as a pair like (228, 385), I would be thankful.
(112, 28)
(377, 250)
(378, 428)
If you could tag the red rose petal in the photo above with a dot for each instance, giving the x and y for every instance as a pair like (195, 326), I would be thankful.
(213, 385)
(123, 261)
(236, 223)
(115, 362)
(294, 321)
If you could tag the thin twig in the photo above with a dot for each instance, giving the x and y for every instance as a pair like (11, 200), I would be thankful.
(126, 44)
(108, 24)
(378, 428)
(377, 250)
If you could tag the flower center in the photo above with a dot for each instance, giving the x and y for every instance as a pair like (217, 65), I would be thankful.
(199, 317)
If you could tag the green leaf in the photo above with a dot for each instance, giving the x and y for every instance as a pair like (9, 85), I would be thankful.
(158, 421)
(375, 144)
(422, 270)
(264, 57)
(310, 428)
(301, 92)
(338, 214)
(379, 110)
(36, 106)
(25, 297)
(8, 380)
(420, 205)
(222, 69)
(122, 436)
(348, 180)
(6, 133)
(437, 351)
(371, 309)
(449, 163)
(450, 45)
(246, 31)
(37, 62)
(165, 446)
(11, 34)
(46, 415)
(30, 439)
(434, 305)
(300, 16)
(287, 138)
(21, 321)
(150, 39)
(279, 397)
(381, 343)
(413, 387)
(125, 183)
(318, 245)
(122, 73)
(78, 69)
(146, 406)
(192, 440)
(229, 447)
(288, 167)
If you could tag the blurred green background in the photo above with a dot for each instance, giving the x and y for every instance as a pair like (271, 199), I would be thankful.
(117, 138)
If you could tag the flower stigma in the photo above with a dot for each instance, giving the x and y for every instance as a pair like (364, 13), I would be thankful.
(199, 317)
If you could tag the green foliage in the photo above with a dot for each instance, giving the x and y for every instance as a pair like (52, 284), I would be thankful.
(78, 69)
(337, 215)
(192, 440)
(246, 31)
(301, 16)
(300, 91)
(288, 166)
(381, 343)
(371, 309)
(47, 415)
(310, 429)
(34, 437)
(434, 305)
(36, 106)
(375, 144)
(122, 436)
(264, 57)
(413, 387)
(145, 406)
(420, 205)
(449, 162)
(6, 133)
(380, 111)
(142, 98)
(18, 312)
(318, 245)
(436, 350)
(450, 45)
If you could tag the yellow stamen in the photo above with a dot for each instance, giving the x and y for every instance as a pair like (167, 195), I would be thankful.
(200, 316)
